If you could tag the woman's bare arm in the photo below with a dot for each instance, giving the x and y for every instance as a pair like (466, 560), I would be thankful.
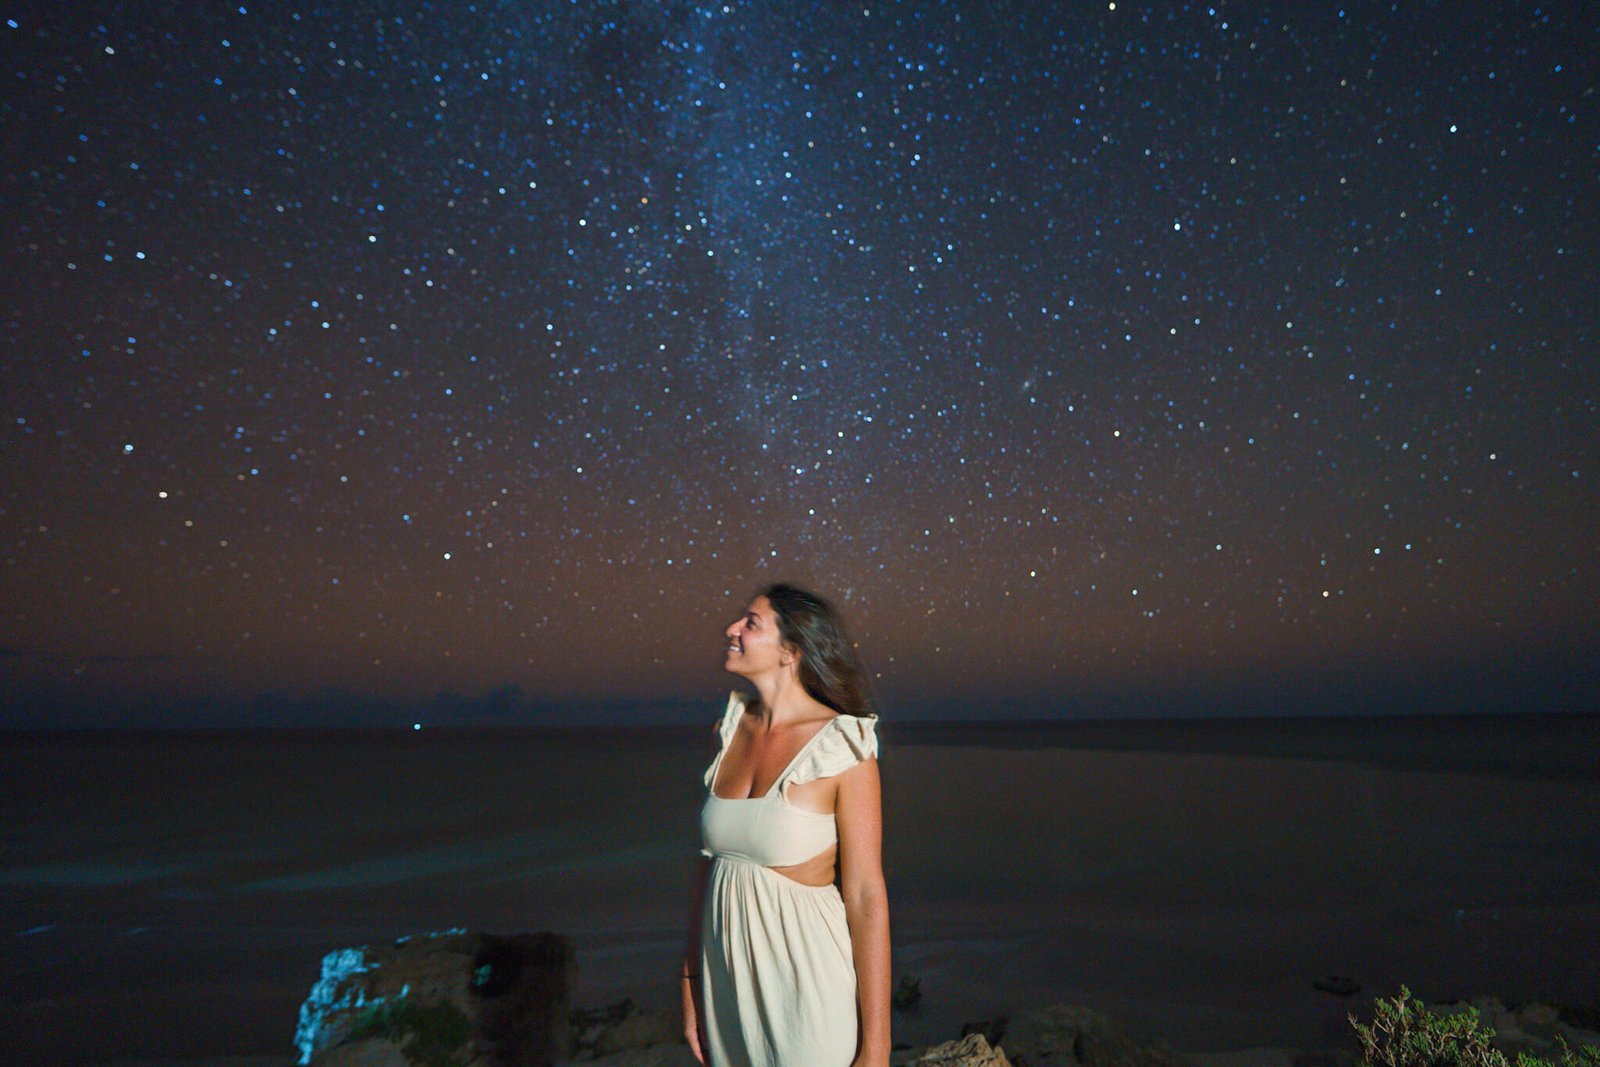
(689, 977)
(866, 904)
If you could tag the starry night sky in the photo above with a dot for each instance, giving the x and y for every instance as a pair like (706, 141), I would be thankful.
(1094, 357)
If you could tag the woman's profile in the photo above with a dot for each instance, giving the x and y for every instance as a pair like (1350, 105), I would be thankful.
(784, 968)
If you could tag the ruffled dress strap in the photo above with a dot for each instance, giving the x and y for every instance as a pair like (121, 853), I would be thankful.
(840, 745)
(725, 731)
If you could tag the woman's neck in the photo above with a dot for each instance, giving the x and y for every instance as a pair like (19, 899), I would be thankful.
(784, 699)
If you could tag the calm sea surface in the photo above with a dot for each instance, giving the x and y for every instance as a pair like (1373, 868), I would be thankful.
(171, 895)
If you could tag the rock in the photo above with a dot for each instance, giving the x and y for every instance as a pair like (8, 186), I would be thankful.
(640, 1029)
(1258, 1056)
(1338, 985)
(623, 1026)
(654, 1056)
(1532, 1028)
(521, 986)
(1539, 1015)
(991, 1029)
(1581, 1016)
(971, 1051)
(365, 1054)
(1071, 1034)
(908, 994)
(589, 1023)
(444, 998)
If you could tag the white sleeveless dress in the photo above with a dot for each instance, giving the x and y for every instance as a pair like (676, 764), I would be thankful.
(778, 976)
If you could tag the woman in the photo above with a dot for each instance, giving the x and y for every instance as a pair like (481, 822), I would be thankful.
(783, 968)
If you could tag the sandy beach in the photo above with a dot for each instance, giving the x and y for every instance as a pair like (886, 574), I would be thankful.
(168, 898)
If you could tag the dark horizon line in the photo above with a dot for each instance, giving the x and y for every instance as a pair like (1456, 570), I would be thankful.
(1040, 723)
(1556, 679)
(1545, 746)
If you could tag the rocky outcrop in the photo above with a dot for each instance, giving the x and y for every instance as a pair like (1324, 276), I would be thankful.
(1064, 1034)
(1533, 1028)
(623, 1027)
(907, 994)
(451, 998)
(1337, 985)
(654, 1056)
(973, 1050)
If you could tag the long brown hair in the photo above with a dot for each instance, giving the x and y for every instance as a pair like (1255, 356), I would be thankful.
(829, 670)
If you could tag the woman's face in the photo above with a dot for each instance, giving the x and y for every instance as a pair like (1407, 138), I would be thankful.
(753, 643)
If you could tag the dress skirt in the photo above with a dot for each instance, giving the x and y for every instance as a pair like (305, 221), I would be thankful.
(778, 976)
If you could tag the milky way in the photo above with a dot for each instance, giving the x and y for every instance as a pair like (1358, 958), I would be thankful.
(405, 348)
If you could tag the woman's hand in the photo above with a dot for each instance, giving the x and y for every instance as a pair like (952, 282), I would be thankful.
(693, 1031)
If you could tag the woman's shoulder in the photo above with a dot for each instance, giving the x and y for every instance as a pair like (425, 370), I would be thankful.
(843, 742)
(737, 703)
(856, 729)
(726, 727)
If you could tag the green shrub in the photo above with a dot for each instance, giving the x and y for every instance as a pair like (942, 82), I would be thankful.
(438, 1032)
(1582, 1056)
(1404, 1033)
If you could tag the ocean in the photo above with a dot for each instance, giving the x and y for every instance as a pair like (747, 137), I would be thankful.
(168, 896)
